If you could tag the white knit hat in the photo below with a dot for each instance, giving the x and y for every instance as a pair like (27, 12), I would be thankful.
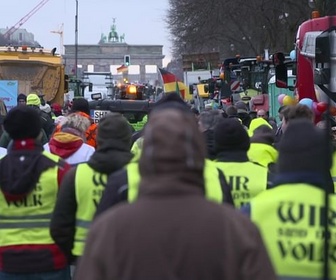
(45, 108)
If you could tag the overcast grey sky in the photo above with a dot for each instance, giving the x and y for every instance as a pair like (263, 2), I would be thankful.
(142, 21)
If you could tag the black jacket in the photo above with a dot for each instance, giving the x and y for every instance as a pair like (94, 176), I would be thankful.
(116, 190)
(47, 123)
(63, 222)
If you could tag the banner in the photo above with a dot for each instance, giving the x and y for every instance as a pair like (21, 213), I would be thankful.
(9, 92)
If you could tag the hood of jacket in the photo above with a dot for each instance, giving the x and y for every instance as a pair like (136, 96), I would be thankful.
(173, 154)
(21, 168)
(255, 123)
(108, 161)
(64, 144)
(263, 154)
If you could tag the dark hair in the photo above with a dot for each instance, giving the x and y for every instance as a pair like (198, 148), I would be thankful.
(81, 105)
(297, 111)
(210, 118)
(231, 111)
(281, 108)
(195, 111)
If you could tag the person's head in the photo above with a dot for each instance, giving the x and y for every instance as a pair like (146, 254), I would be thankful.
(45, 108)
(295, 112)
(230, 135)
(256, 123)
(303, 148)
(208, 119)
(114, 132)
(253, 114)
(173, 145)
(171, 97)
(261, 114)
(21, 99)
(241, 107)
(56, 109)
(22, 122)
(76, 124)
(280, 112)
(171, 100)
(231, 111)
(80, 105)
(263, 134)
(195, 112)
(33, 100)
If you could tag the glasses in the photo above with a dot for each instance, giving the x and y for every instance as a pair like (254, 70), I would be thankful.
(261, 115)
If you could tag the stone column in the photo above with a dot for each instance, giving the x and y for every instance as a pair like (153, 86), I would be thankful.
(142, 73)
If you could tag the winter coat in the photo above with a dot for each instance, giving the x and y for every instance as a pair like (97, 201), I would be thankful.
(20, 173)
(210, 143)
(172, 231)
(63, 221)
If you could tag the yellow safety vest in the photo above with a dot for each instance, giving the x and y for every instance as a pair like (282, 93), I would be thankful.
(289, 218)
(89, 187)
(27, 221)
(137, 148)
(139, 125)
(213, 189)
(247, 179)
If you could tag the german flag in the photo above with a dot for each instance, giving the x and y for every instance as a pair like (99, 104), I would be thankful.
(122, 68)
(172, 84)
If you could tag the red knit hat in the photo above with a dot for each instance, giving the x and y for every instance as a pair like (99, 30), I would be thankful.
(56, 107)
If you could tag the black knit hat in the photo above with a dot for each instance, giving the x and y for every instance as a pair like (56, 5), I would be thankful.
(303, 148)
(171, 100)
(114, 132)
(230, 135)
(80, 105)
(241, 107)
(23, 122)
(21, 96)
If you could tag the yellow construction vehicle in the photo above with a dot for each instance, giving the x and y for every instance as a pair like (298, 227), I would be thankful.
(36, 70)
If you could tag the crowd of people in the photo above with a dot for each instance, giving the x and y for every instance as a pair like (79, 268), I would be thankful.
(217, 194)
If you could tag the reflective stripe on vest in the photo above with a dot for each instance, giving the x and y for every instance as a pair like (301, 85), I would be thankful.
(290, 219)
(27, 221)
(213, 189)
(246, 179)
(89, 186)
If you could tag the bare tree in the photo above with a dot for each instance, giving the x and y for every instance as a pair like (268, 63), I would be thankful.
(230, 27)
